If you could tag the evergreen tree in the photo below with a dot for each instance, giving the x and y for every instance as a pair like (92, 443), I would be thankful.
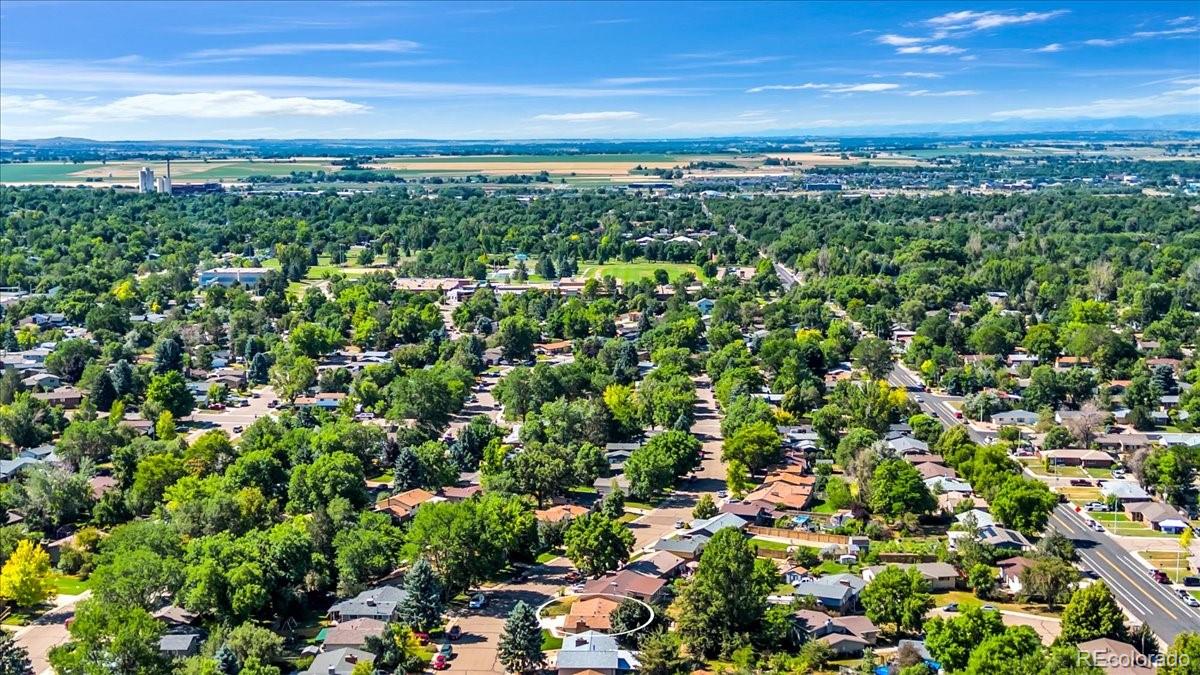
(168, 356)
(122, 377)
(613, 504)
(422, 606)
(408, 473)
(103, 392)
(520, 647)
(260, 368)
(227, 663)
(14, 660)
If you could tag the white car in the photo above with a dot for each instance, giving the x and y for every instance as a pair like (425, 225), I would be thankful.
(1095, 526)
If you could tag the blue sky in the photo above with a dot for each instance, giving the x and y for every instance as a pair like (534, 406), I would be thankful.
(160, 70)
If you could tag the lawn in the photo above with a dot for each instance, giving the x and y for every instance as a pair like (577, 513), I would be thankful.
(823, 507)
(546, 557)
(42, 171)
(636, 271)
(1174, 563)
(65, 584)
(1119, 523)
(964, 598)
(549, 642)
(768, 544)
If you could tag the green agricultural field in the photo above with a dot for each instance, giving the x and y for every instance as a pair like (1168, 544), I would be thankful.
(636, 271)
(485, 159)
(244, 169)
(42, 171)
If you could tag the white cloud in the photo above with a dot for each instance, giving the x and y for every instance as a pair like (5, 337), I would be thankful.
(1174, 101)
(949, 92)
(1050, 48)
(294, 48)
(1166, 33)
(603, 116)
(1104, 42)
(622, 81)
(15, 104)
(70, 76)
(214, 105)
(837, 88)
(931, 49)
(972, 21)
(1181, 19)
(899, 40)
(924, 76)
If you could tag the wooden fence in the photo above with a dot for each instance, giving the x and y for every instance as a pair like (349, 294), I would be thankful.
(799, 536)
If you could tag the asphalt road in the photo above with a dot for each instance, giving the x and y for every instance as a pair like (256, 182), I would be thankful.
(1152, 603)
(936, 405)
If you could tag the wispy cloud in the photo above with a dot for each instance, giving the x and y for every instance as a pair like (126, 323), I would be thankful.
(601, 116)
(931, 49)
(296, 48)
(1172, 101)
(70, 76)
(1168, 33)
(1050, 48)
(922, 75)
(276, 25)
(201, 105)
(949, 92)
(974, 21)
(622, 81)
(610, 22)
(831, 87)
(900, 40)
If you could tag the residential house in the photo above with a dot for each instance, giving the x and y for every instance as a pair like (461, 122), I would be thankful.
(401, 506)
(42, 381)
(10, 468)
(605, 484)
(833, 630)
(941, 576)
(176, 617)
(1010, 572)
(593, 653)
(626, 583)
(980, 517)
(352, 633)
(1068, 362)
(1123, 491)
(374, 603)
(228, 276)
(660, 564)
(705, 305)
(589, 614)
(1128, 443)
(688, 547)
(930, 470)
(1094, 459)
(838, 592)
(1158, 516)
(180, 645)
(326, 400)
(66, 397)
(1016, 417)
(560, 512)
(756, 513)
(783, 495)
(553, 348)
(102, 484)
(903, 445)
(719, 522)
(941, 485)
(1004, 538)
(1116, 658)
(459, 493)
(339, 661)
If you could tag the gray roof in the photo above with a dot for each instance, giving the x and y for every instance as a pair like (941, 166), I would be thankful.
(1123, 489)
(690, 545)
(833, 587)
(9, 467)
(903, 443)
(717, 523)
(178, 642)
(377, 603)
(338, 661)
(590, 650)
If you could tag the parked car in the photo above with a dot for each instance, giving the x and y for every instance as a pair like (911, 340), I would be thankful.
(1191, 581)
(1160, 576)
(1191, 601)
(237, 429)
(573, 577)
(680, 524)
(1095, 526)
(446, 650)
(1096, 506)
(1080, 482)
(919, 399)
(454, 631)
(952, 607)
(440, 662)
(989, 608)
(478, 601)
(216, 406)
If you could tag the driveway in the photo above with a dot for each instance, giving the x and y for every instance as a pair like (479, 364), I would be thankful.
(475, 651)
(202, 421)
(48, 631)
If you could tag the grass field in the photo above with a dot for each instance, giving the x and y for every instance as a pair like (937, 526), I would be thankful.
(636, 271)
(1119, 523)
(1173, 563)
(42, 171)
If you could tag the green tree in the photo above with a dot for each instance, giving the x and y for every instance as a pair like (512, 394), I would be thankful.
(725, 600)
(898, 596)
(1093, 613)
(1048, 580)
(982, 579)
(291, 376)
(1013, 652)
(754, 445)
(873, 355)
(1182, 656)
(951, 640)
(659, 654)
(705, 508)
(516, 337)
(422, 606)
(14, 660)
(897, 488)
(520, 647)
(107, 638)
(1023, 504)
(168, 356)
(597, 544)
(168, 391)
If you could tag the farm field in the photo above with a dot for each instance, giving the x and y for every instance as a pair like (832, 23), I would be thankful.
(636, 271)
(126, 172)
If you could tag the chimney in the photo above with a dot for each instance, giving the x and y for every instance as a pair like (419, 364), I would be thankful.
(371, 601)
(351, 659)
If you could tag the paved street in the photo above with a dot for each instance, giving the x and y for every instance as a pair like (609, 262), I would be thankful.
(1150, 602)
(47, 632)
(202, 421)
(936, 405)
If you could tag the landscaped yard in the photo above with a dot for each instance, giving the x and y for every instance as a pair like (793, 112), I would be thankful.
(550, 642)
(768, 544)
(1173, 563)
(964, 598)
(1119, 523)
(66, 584)
(636, 271)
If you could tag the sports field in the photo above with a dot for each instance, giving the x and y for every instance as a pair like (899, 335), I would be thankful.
(636, 271)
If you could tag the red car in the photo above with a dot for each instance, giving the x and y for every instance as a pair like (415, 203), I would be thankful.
(440, 662)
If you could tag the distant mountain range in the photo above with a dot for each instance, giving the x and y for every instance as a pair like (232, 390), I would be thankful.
(1181, 127)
